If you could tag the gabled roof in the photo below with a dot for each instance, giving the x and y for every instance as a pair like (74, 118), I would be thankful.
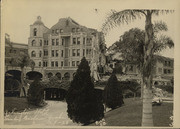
(66, 24)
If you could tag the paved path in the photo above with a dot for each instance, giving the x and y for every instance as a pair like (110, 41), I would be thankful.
(53, 114)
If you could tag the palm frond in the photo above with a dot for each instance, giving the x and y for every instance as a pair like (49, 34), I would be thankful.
(160, 26)
(158, 12)
(162, 43)
(117, 18)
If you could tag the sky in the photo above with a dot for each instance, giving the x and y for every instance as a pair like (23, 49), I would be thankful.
(20, 14)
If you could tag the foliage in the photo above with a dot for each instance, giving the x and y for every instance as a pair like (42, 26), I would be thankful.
(36, 93)
(168, 88)
(83, 106)
(112, 93)
(12, 84)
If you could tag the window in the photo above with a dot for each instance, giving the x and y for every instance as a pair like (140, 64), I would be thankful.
(53, 31)
(73, 52)
(78, 29)
(78, 40)
(77, 63)
(83, 52)
(73, 63)
(159, 70)
(90, 40)
(74, 40)
(62, 53)
(169, 63)
(52, 64)
(62, 42)
(56, 53)
(56, 63)
(40, 42)
(52, 53)
(87, 51)
(73, 29)
(165, 71)
(131, 68)
(45, 43)
(57, 41)
(40, 54)
(33, 54)
(33, 43)
(35, 32)
(53, 42)
(84, 40)
(57, 31)
(61, 30)
(78, 52)
(39, 64)
(45, 64)
(45, 52)
(61, 63)
(169, 71)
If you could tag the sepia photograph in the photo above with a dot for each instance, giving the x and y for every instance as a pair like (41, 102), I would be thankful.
(81, 63)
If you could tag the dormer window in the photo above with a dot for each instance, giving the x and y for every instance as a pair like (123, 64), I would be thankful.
(57, 31)
(61, 30)
(78, 29)
(73, 29)
(53, 31)
(35, 32)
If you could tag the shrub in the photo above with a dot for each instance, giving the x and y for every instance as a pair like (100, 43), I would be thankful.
(36, 93)
(168, 88)
(83, 106)
(130, 88)
(112, 93)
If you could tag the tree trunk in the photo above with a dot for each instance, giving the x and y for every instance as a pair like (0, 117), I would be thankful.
(147, 119)
(22, 92)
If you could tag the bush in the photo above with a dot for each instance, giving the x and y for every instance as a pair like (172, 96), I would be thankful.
(112, 93)
(36, 93)
(130, 88)
(168, 88)
(83, 106)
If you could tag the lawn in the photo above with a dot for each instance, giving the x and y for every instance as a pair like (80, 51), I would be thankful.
(131, 114)
(16, 104)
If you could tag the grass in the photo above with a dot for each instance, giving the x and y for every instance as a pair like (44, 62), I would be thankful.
(16, 104)
(131, 114)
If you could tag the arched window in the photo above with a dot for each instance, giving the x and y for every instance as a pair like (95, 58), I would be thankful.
(50, 75)
(33, 54)
(35, 32)
(40, 53)
(40, 42)
(33, 43)
(58, 75)
(66, 76)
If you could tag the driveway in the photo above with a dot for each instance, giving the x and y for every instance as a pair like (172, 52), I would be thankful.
(53, 114)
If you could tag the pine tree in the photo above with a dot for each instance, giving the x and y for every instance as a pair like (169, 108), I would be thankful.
(112, 93)
(36, 93)
(83, 106)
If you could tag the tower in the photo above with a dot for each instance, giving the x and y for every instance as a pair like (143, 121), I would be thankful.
(36, 42)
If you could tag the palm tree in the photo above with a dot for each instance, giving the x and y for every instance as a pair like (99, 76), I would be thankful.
(126, 16)
(21, 61)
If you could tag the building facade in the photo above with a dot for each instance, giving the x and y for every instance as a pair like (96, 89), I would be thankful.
(59, 50)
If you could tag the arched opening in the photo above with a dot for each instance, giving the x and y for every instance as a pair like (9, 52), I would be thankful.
(35, 32)
(33, 43)
(33, 54)
(32, 75)
(58, 75)
(40, 53)
(67, 76)
(50, 75)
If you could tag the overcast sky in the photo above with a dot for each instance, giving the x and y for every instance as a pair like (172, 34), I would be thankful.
(20, 14)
